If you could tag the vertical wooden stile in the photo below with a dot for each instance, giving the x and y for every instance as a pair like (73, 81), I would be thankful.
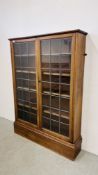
(38, 82)
(72, 87)
(14, 78)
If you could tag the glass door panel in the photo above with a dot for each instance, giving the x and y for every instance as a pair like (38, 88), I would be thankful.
(24, 53)
(55, 69)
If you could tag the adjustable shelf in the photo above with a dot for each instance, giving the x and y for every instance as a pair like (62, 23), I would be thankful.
(56, 54)
(54, 108)
(56, 121)
(56, 94)
(27, 106)
(25, 55)
(56, 83)
(29, 102)
(25, 79)
(57, 74)
(53, 113)
(26, 89)
(25, 71)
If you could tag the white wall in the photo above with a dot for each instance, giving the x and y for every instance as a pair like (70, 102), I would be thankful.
(30, 17)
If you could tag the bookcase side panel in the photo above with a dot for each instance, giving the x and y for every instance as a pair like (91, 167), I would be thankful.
(78, 84)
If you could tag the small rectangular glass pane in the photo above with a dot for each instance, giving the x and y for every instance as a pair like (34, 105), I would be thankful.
(55, 78)
(31, 61)
(46, 87)
(65, 80)
(65, 89)
(33, 98)
(25, 83)
(31, 48)
(64, 120)
(45, 53)
(32, 85)
(17, 48)
(24, 61)
(45, 61)
(45, 47)
(26, 116)
(55, 88)
(45, 77)
(46, 100)
(64, 129)
(23, 48)
(65, 62)
(54, 126)
(26, 95)
(17, 61)
(54, 117)
(46, 123)
(55, 61)
(64, 104)
(32, 76)
(55, 102)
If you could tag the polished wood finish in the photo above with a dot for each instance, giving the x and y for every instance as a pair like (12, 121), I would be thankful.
(64, 148)
(14, 78)
(38, 77)
(50, 34)
(68, 146)
(78, 84)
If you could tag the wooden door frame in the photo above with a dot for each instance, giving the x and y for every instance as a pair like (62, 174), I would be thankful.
(39, 84)
(14, 79)
(71, 117)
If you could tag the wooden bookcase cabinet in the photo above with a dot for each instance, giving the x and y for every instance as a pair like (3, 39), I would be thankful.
(48, 86)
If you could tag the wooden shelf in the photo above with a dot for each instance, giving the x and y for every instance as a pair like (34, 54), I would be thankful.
(50, 107)
(26, 89)
(59, 83)
(66, 124)
(25, 101)
(25, 71)
(27, 106)
(25, 55)
(22, 88)
(54, 68)
(56, 74)
(53, 113)
(56, 94)
(56, 54)
(28, 112)
(26, 79)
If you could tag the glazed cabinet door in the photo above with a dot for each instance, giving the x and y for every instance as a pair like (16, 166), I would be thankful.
(56, 64)
(25, 75)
